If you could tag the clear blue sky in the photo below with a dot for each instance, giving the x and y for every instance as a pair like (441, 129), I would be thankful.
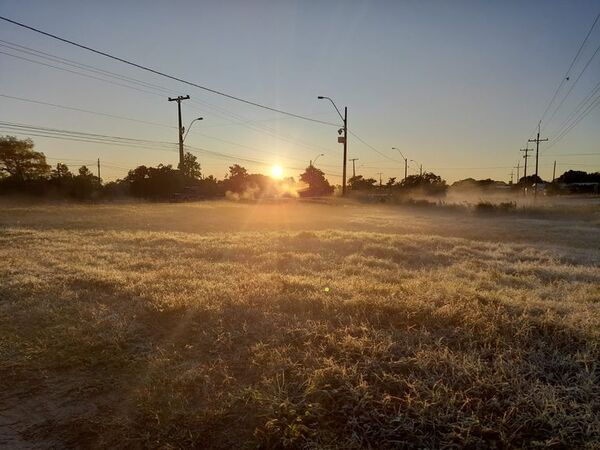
(458, 86)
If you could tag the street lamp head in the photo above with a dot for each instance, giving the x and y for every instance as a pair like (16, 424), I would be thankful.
(320, 97)
(200, 118)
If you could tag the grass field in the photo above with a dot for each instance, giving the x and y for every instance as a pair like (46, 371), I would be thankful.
(297, 325)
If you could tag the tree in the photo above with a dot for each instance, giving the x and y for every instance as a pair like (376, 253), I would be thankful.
(578, 176)
(358, 183)
(237, 179)
(61, 172)
(85, 185)
(85, 172)
(155, 182)
(530, 180)
(316, 181)
(428, 183)
(190, 166)
(20, 161)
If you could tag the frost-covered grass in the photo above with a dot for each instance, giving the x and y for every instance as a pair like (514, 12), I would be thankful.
(220, 325)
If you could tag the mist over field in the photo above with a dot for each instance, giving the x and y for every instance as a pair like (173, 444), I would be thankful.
(297, 324)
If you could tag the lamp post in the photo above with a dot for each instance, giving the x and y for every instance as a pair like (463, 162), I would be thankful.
(312, 161)
(190, 127)
(405, 162)
(341, 139)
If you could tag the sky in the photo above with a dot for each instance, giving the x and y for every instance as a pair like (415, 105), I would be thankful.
(458, 87)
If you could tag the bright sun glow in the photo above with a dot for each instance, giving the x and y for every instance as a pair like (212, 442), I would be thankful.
(276, 172)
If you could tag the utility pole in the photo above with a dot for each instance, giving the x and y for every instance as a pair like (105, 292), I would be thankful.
(353, 166)
(526, 157)
(420, 170)
(345, 148)
(98, 169)
(380, 173)
(518, 170)
(537, 141)
(554, 172)
(341, 139)
(181, 130)
(511, 176)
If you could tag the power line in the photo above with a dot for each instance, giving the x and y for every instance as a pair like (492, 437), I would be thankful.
(581, 116)
(71, 108)
(583, 103)
(163, 74)
(69, 135)
(566, 75)
(575, 83)
(239, 120)
(87, 111)
(373, 148)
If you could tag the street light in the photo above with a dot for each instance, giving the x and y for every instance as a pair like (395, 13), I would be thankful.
(190, 126)
(341, 139)
(313, 161)
(405, 162)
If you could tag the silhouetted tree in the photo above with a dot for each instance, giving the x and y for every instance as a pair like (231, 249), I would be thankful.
(428, 183)
(85, 185)
(61, 172)
(191, 167)
(529, 181)
(358, 183)
(316, 181)
(20, 161)
(155, 182)
(237, 179)
(578, 176)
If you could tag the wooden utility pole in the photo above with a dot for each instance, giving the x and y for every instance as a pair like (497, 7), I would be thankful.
(554, 172)
(537, 141)
(98, 169)
(353, 166)
(345, 148)
(526, 156)
(518, 170)
(380, 173)
(178, 100)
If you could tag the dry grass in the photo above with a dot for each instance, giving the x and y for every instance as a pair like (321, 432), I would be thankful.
(293, 325)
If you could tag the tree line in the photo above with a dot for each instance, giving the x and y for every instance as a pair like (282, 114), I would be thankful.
(24, 170)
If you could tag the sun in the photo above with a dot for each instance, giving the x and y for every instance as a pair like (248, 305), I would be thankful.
(277, 172)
